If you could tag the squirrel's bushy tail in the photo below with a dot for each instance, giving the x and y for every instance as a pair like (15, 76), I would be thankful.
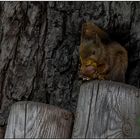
(120, 66)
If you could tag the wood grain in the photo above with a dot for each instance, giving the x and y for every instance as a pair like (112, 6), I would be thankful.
(107, 110)
(38, 120)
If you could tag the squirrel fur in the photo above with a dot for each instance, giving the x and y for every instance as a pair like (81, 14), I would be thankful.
(100, 57)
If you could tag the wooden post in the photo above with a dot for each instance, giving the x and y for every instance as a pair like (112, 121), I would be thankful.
(38, 120)
(107, 110)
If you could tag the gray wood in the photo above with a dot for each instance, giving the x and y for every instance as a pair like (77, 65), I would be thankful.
(38, 120)
(107, 109)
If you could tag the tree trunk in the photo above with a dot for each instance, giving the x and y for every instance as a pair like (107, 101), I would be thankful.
(38, 121)
(107, 110)
(2, 132)
(39, 44)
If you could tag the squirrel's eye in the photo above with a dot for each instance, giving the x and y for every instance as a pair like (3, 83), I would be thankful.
(93, 52)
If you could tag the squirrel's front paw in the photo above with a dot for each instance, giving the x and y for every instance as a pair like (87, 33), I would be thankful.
(101, 77)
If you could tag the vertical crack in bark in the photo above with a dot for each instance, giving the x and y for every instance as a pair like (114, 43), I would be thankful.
(40, 49)
(3, 73)
(133, 12)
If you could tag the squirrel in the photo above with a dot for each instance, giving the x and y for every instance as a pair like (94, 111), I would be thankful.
(100, 57)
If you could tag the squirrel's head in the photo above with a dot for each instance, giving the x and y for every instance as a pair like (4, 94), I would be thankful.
(90, 53)
(91, 49)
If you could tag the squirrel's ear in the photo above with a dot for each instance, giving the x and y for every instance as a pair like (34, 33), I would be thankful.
(98, 40)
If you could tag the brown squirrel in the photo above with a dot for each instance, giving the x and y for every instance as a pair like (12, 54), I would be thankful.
(101, 58)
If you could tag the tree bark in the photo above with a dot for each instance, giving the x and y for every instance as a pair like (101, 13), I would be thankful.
(39, 44)
(2, 132)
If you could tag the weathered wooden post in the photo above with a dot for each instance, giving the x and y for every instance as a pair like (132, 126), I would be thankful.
(38, 120)
(107, 110)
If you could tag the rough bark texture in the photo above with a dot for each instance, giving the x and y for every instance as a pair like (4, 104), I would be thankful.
(39, 44)
(2, 132)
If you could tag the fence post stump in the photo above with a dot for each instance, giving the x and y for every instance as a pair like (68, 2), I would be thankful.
(107, 109)
(38, 120)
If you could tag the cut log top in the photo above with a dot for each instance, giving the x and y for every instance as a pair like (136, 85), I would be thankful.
(38, 120)
(107, 109)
